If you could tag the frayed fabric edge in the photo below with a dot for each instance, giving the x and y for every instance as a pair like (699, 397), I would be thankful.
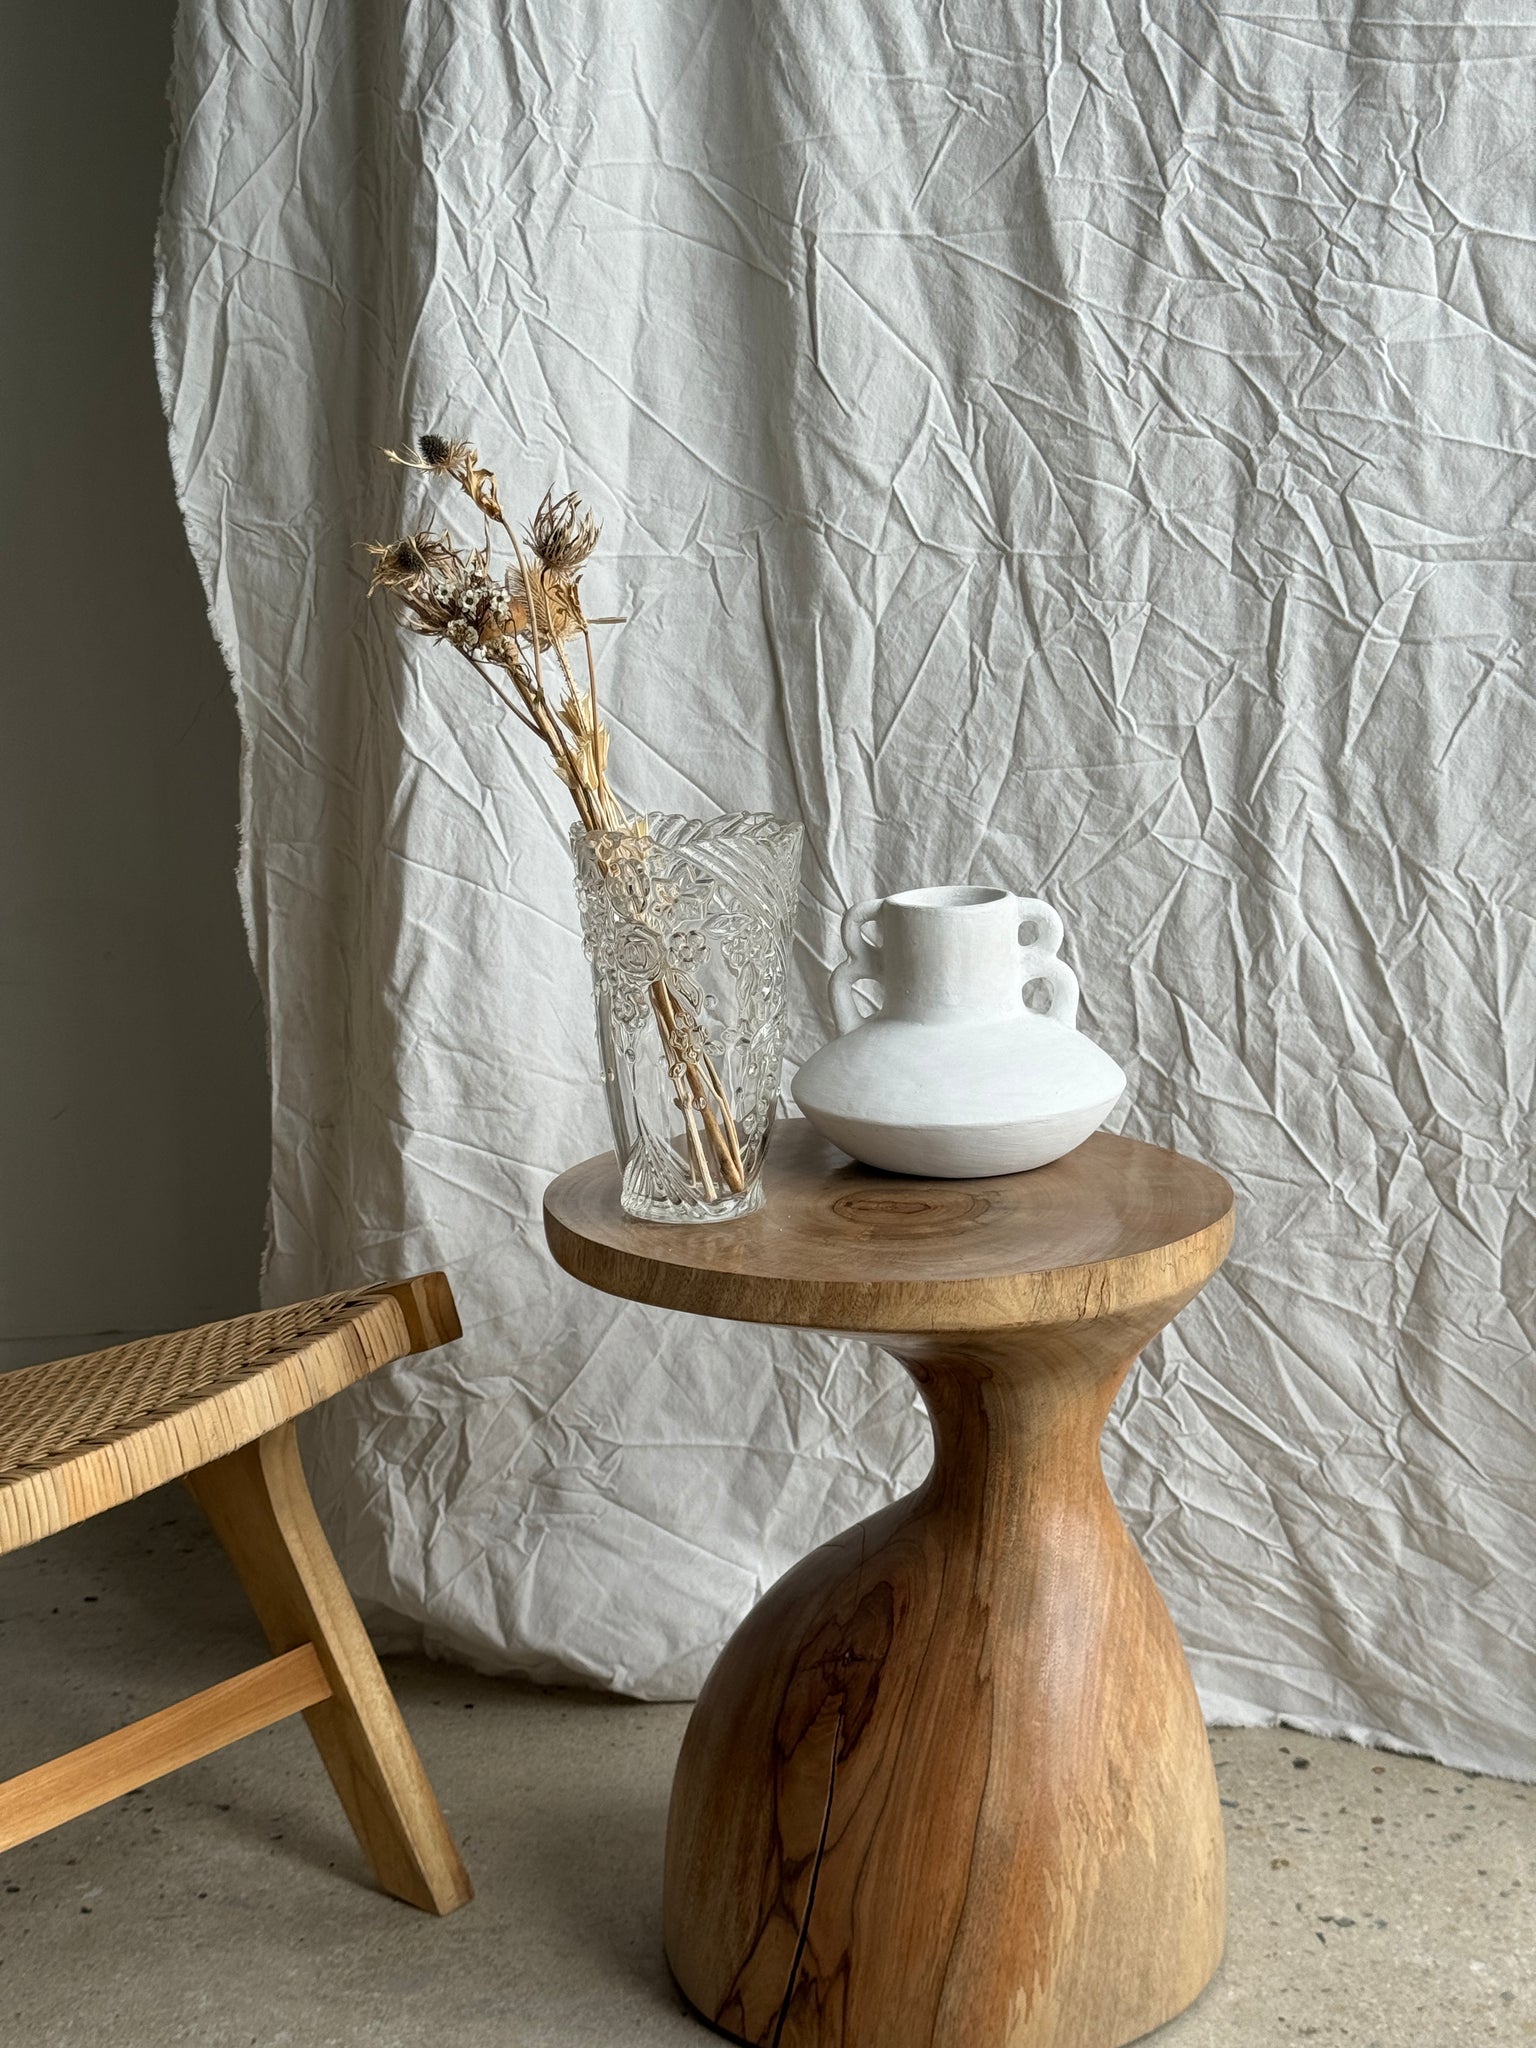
(1221, 1711)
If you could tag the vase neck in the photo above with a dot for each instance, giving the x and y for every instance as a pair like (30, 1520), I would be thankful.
(950, 955)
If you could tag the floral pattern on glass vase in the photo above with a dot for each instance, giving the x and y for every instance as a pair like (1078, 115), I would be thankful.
(687, 923)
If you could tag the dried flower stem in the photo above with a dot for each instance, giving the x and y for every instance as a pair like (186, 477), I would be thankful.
(704, 1087)
(586, 641)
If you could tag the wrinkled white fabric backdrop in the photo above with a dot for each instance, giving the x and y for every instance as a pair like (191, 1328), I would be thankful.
(1085, 447)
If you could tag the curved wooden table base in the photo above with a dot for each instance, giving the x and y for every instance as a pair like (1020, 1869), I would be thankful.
(948, 1785)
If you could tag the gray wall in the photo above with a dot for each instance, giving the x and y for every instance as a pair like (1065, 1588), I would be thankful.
(133, 1132)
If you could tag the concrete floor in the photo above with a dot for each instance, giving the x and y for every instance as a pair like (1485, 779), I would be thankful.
(1376, 1901)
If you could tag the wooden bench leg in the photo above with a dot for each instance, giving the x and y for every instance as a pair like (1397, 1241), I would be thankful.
(259, 1505)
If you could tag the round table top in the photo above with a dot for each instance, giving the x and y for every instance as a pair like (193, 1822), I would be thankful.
(839, 1246)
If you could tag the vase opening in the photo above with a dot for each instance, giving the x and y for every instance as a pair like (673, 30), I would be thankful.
(948, 897)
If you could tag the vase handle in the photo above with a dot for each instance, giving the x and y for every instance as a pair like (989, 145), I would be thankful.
(1038, 961)
(863, 964)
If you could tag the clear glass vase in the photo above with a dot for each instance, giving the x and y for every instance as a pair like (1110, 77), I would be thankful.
(687, 923)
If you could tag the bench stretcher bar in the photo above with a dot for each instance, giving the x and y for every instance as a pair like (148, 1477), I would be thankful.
(100, 1771)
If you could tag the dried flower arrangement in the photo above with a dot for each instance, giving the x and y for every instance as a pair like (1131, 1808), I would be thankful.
(505, 626)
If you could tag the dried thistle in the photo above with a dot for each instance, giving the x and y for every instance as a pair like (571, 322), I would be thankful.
(459, 461)
(399, 563)
(562, 536)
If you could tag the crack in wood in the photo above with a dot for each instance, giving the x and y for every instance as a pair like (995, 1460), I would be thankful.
(810, 1893)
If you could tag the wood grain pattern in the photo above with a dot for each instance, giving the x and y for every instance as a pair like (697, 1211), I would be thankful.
(948, 1786)
(67, 1786)
(839, 1246)
(261, 1512)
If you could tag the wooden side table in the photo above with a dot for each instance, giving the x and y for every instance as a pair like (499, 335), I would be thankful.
(948, 1785)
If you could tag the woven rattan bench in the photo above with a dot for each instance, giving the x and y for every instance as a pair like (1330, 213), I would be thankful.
(215, 1407)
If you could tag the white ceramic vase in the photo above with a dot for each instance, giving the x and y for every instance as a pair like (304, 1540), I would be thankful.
(954, 1077)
